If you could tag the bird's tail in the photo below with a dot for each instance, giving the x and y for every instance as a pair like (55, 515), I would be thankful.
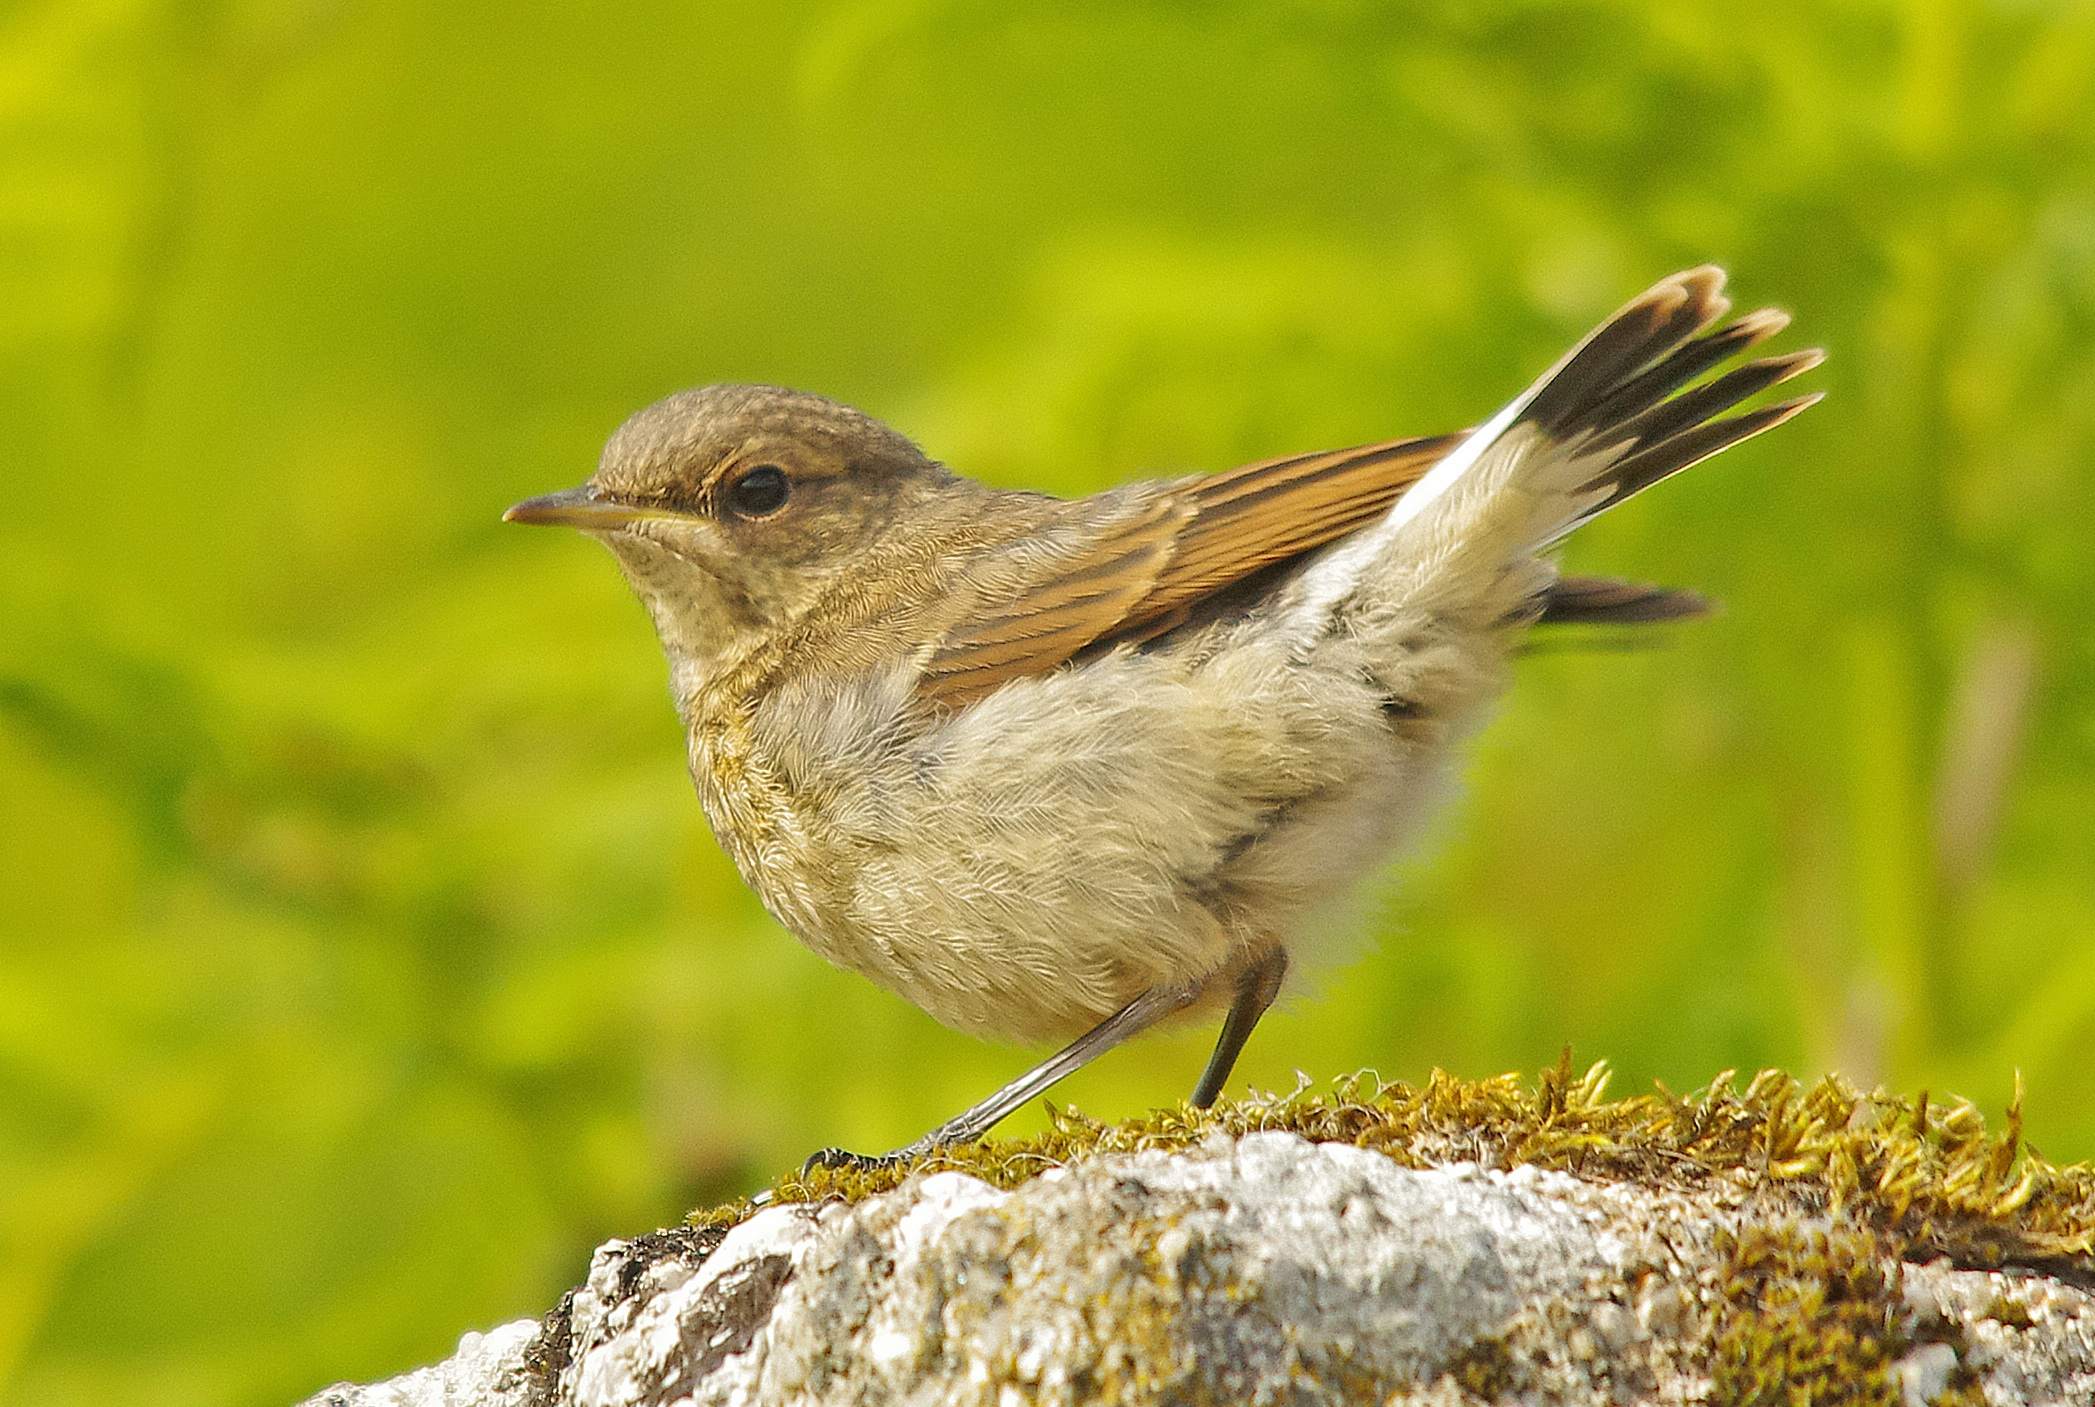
(1625, 408)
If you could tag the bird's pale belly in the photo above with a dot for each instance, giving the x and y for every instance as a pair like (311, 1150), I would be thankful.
(1022, 876)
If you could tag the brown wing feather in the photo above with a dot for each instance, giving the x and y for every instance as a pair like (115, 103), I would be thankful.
(1133, 564)
(1140, 574)
(1042, 616)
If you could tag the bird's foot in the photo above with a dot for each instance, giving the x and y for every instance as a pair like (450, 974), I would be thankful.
(841, 1158)
(857, 1162)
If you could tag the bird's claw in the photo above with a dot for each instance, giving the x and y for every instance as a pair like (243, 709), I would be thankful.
(857, 1162)
(839, 1158)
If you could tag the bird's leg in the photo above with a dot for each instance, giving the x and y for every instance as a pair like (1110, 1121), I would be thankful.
(1257, 986)
(970, 1124)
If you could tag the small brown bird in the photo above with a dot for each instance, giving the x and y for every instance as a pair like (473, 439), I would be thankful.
(1054, 768)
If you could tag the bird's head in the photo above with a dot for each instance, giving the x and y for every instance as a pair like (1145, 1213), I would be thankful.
(732, 508)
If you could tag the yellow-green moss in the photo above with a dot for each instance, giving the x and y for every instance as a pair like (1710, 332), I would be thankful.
(1807, 1315)
(1923, 1174)
(1815, 1313)
(2010, 1310)
(1486, 1370)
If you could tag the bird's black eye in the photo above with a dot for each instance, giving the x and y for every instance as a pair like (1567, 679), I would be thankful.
(759, 492)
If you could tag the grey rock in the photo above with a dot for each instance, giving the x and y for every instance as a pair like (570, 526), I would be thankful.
(489, 1370)
(1924, 1373)
(1263, 1270)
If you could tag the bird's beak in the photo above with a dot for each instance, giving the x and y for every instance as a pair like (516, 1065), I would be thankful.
(583, 508)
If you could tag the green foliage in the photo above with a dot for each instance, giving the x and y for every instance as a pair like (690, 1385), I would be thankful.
(363, 956)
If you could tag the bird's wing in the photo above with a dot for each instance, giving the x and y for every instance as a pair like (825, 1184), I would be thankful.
(1620, 411)
(1156, 555)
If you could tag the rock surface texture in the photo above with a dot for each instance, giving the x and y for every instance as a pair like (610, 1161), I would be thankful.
(1265, 1268)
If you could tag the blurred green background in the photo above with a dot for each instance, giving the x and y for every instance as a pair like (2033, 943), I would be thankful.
(364, 957)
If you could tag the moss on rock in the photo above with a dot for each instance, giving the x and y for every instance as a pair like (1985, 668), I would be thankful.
(1924, 1175)
(1809, 1314)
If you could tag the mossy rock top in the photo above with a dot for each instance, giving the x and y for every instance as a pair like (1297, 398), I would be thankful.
(1447, 1244)
(1927, 1175)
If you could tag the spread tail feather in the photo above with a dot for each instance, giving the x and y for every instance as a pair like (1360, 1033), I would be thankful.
(1599, 600)
(1623, 409)
(1612, 418)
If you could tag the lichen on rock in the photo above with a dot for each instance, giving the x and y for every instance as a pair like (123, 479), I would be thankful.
(1447, 1243)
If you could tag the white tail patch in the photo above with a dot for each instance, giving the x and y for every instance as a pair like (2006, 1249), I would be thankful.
(1626, 407)
(1331, 578)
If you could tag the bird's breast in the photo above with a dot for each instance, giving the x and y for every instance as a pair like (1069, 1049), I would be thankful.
(795, 784)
